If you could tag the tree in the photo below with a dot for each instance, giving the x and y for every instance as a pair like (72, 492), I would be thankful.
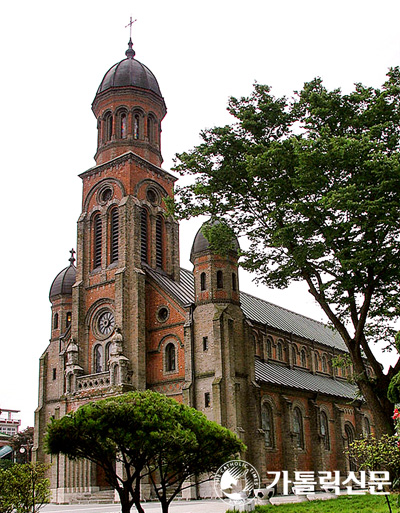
(23, 488)
(314, 183)
(147, 434)
(394, 385)
(22, 443)
(378, 454)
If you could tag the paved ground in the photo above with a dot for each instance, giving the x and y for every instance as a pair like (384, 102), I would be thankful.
(204, 506)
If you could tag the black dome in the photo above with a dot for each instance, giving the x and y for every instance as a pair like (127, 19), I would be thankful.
(62, 283)
(201, 244)
(129, 72)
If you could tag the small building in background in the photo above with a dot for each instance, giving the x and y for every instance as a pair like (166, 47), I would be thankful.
(9, 425)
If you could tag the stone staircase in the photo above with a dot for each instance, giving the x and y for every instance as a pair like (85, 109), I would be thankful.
(100, 497)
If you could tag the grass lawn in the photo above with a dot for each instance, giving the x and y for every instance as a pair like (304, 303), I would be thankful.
(343, 504)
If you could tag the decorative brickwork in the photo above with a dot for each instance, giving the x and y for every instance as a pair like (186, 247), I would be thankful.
(128, 318)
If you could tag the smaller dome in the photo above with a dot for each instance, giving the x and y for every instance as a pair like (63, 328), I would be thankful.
(201, 244)
(65, 279)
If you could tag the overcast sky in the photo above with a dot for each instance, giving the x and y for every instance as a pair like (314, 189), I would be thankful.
(54, 55)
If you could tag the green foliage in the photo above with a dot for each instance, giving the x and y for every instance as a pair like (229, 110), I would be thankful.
(394, 385)
(378, 454)
(220, 236)
(394, 389)
(341, 361)
(314, 184)
(150, 434)
(23, 488)
(342, 504)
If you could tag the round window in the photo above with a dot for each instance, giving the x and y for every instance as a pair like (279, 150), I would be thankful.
(162, 314)
(152, 196)
(103, 324)
(105, 194)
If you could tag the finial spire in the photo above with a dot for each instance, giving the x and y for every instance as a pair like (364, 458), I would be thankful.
(72, 258)
(130, 53)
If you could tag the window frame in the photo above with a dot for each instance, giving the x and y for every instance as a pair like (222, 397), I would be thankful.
(298, 427)
(267, 424)
(170, 358)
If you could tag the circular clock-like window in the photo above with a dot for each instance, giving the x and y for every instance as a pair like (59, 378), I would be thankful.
(106, 323)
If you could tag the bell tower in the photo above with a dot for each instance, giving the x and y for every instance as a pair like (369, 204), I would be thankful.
(122, 230)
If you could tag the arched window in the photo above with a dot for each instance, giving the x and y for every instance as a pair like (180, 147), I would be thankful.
(170, 357)
(298, 428)
(267, 423)
(325, 430)
(136, 126)
(108, 120)
(159, 242)
(234, 286)
(114, 235)
(98, 358)
(68, 319)
(316, 362)
(303, 358)
(220, 280)
(143, 235)
(269, 348)
(97, 241)
(151, 129)
(279, 351)
(107, 357)
(203, 282)
(294, 355)
(123, 125)
(55, 321)
(324, 364)
(367, 427)
(350, 435)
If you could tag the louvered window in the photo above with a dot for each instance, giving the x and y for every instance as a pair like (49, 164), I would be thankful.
(159, 243)
(143, 235)
(114, 235)
(97, 242)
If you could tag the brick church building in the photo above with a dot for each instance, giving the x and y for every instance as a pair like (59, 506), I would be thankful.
(125, 316)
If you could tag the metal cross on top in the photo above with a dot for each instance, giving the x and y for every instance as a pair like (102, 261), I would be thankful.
(130, 26)
(72, 257)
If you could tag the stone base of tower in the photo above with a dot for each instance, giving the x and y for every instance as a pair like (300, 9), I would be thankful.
(85, 495)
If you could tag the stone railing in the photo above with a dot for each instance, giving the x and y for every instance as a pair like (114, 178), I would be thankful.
(90, 381)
